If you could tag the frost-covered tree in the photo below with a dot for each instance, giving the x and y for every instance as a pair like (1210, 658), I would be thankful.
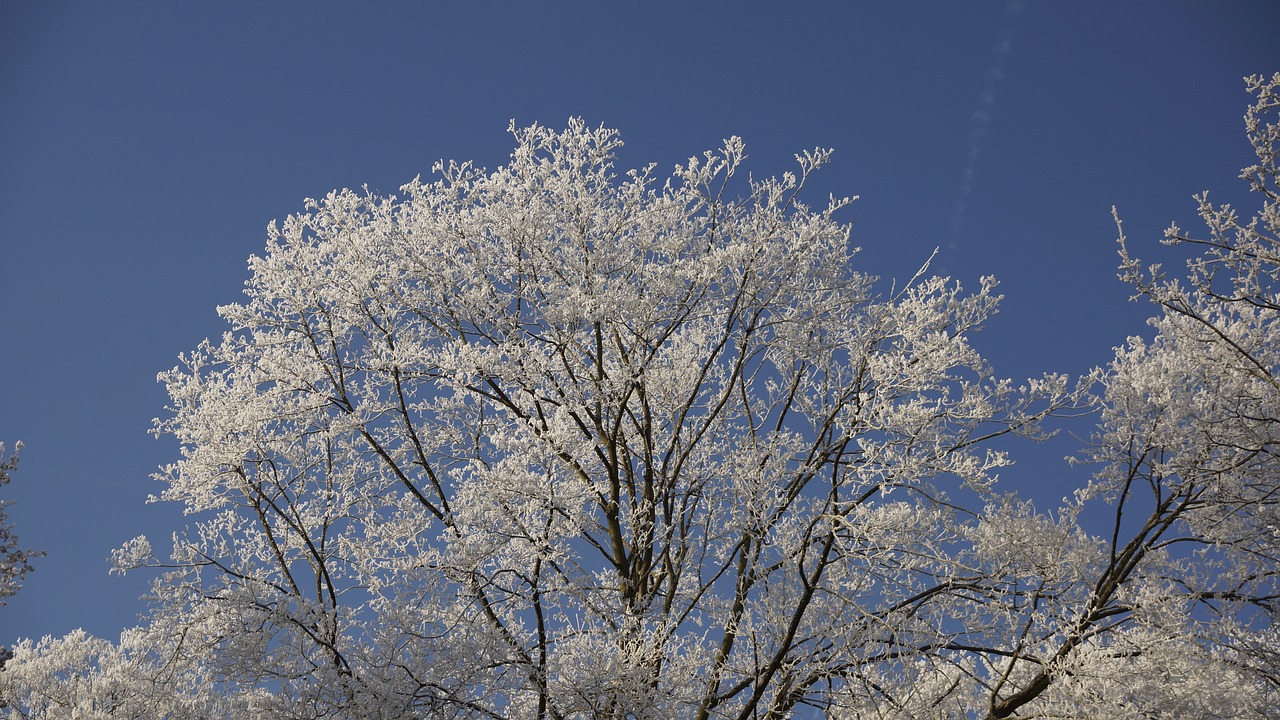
(550, 442)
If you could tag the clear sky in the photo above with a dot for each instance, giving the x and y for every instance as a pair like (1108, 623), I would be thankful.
(144, 146)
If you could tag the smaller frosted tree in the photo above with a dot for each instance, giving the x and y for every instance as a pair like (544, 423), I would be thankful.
(1172, 611)
(1202, 401)
(15, 562)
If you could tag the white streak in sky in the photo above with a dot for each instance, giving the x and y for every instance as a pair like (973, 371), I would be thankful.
(981, 118)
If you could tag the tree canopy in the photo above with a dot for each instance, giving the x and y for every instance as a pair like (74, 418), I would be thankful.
(561, 441)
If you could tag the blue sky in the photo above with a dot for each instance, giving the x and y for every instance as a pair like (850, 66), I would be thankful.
(144, 146)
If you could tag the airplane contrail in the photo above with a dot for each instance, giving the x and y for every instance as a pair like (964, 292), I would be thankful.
(981, 118)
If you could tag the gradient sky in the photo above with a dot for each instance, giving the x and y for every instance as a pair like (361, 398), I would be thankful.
(144, 147)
